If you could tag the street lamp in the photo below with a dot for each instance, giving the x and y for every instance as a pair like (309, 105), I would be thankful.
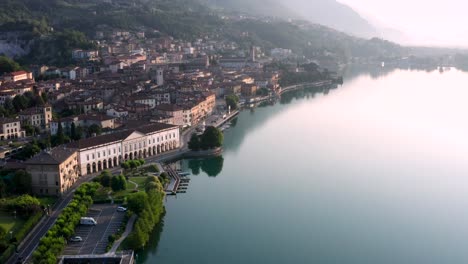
(11, 235)
(14, 213)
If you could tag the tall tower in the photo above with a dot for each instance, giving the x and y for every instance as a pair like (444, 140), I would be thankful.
(253, 53)
(159, 76)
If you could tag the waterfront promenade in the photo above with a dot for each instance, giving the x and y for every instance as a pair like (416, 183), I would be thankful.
(29, 244)
(304, 85)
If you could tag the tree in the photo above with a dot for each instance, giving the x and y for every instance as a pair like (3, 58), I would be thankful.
(211, 138)
(136, 202)
(94, 130)
(194, 143)
(8, 105)
(118, 183)
(26, 205)
(150, 186)
(232, 101)
(2, 232)
(73, 134)
(79, 132)
(20, 102)
(3, 188)
(28, 151)
(29, 129)
(105, 178)
(45, 98)
(125, 165)
(8, 65)
(60, 134)
(22, 181)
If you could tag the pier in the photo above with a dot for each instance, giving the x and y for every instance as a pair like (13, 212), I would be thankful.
(173, 186)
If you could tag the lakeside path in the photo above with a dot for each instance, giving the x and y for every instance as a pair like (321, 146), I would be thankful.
(128, 230)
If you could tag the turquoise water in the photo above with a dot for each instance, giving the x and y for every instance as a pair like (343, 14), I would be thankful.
(372, 172)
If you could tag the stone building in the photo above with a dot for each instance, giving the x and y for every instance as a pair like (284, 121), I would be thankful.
(53, 172)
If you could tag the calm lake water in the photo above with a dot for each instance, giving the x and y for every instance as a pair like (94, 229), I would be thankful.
(374, 171)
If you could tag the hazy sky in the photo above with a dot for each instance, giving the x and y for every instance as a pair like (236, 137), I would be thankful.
(425, 21)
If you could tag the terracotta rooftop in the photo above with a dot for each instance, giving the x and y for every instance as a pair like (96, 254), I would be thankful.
(53, 157)
(118, 136)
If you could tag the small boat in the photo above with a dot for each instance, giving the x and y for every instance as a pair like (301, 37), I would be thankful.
(183, 173)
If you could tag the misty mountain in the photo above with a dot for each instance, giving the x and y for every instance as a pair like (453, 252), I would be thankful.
(333, 14)
(254, 7)
(325, 12)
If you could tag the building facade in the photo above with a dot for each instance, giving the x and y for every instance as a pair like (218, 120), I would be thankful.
(37, 116)
(107, 151)
(10, 129)
(53, 172)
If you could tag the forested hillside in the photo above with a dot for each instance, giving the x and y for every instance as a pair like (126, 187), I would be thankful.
(57, 26)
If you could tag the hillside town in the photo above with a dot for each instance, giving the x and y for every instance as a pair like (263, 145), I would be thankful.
(131, 99)
(127, 82)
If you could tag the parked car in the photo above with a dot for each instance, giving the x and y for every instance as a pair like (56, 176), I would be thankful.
(121, 209)
(88, 221)
(76, 239)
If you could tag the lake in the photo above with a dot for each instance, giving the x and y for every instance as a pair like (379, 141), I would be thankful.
(374, 171)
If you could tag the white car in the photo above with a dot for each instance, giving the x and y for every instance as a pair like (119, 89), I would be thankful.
(121, 209)
(76, 239)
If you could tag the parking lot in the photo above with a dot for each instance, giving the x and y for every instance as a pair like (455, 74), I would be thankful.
(95, 238)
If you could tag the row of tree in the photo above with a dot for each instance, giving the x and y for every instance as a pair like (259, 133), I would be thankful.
(149, 207)
(53, 243)
(132, 164)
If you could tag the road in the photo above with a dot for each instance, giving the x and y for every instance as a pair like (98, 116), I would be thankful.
(29, 244)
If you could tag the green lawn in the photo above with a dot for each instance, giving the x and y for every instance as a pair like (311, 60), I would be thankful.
(131, 187)
(140, 181)
(47, 200)
(9, 223)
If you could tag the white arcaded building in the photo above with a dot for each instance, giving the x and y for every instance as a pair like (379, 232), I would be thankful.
(102, 152)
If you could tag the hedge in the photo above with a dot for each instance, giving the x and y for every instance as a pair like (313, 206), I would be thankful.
(28, 225)
(6, 255)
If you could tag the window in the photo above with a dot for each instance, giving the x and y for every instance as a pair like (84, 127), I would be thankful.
(93, 156)
(99, 154)
(87, 157)
(103, 153)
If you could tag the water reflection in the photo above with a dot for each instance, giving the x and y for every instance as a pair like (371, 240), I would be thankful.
(152, 247)
(211, 166)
